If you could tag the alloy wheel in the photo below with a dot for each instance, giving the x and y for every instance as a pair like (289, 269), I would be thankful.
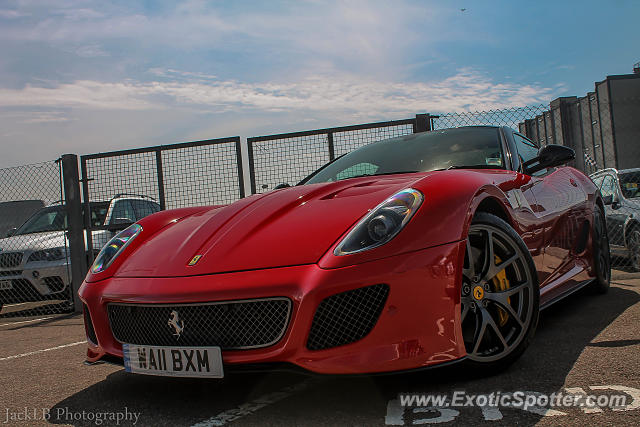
(497, 294)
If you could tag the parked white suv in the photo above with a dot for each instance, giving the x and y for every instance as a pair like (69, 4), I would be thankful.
(34, 259)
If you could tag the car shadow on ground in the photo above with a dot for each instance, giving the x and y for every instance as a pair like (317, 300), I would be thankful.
(565, 330)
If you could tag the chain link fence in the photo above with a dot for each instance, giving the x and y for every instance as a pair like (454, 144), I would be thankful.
(510, 117)
(35, 276)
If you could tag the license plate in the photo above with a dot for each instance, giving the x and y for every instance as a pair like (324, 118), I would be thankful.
(5, 285)
(173, 361)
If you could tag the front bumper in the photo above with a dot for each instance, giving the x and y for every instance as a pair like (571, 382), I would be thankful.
(35, 281)
(418, 326)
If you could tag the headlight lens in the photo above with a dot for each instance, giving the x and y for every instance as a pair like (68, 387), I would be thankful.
(53, 254)
(115, 246)
(382, 223)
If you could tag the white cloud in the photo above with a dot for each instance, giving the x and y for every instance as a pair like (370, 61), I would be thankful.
(334, 94)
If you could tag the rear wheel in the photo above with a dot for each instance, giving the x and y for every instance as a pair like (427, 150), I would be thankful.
(500, 294)
(601, 255)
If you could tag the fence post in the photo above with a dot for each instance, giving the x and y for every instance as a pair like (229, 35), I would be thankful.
(240, 169)
(160, 174)
(332, 150)
(422, 123)
(252, 171)
(71, 183)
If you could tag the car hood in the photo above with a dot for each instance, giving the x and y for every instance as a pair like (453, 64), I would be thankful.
(292, 226)
(633, 203)
(34, 242)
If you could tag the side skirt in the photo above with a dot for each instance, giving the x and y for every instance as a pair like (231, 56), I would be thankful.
(566, 293)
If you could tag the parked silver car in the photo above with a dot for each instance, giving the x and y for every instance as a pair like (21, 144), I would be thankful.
(621, 194)
(34, 259)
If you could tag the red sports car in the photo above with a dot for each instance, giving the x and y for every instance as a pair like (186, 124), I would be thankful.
(410, 252)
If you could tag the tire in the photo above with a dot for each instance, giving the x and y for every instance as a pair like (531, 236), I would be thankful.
(633, 244)
(500, 297)
(601, 253)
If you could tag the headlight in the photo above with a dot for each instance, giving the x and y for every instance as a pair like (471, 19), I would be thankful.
(115, 246)
(382, 223)
(53, 254)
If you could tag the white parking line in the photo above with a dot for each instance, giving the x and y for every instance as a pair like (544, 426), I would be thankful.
(249, 408)
(26, 321)
(17, 356)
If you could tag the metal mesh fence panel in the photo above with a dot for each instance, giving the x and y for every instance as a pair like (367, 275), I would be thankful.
(288, 158)
(35, 276)
(350, 140)
(201, 175)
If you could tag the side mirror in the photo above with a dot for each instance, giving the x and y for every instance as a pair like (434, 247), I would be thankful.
(279, 186)
(12, 232)
(615, 201)
(549, 156)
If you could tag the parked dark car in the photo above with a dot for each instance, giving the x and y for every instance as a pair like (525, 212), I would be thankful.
(621, 195)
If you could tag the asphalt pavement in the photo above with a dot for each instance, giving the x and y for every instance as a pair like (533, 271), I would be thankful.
(587, 344)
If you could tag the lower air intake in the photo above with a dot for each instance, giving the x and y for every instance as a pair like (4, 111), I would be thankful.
(346, 317)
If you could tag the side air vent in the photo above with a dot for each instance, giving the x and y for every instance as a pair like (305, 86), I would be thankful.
(346, 317)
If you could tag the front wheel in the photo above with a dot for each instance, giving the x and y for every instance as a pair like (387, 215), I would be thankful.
(500, 294)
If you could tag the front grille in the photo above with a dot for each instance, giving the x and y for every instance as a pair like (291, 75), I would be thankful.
(54, 283)
(88, 325)
(21, 291)
(10, 259)
(231, 325)
(346, 317)
(7, 273)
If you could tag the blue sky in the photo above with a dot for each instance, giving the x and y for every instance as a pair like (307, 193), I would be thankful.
(82, 76)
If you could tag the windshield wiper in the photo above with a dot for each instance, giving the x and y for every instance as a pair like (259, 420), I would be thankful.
(472, 167)
(377, 174)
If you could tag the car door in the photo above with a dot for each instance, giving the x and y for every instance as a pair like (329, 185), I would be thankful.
(558, 203)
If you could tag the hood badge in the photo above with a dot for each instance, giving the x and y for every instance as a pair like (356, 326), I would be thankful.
(194, 260)
(176, 324)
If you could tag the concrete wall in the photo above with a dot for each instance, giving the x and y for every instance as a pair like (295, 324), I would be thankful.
(625, 110)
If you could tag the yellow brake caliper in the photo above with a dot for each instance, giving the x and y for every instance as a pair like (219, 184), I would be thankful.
(500, 283)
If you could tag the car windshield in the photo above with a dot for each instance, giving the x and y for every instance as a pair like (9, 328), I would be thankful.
(47, 219)
(630, 184)
(469, 147)
(54, 218)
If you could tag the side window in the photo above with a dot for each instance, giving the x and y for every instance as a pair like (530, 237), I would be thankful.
(144, 208)
(527, 150)
(122, 213)
(608, 186)
(598, 181)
